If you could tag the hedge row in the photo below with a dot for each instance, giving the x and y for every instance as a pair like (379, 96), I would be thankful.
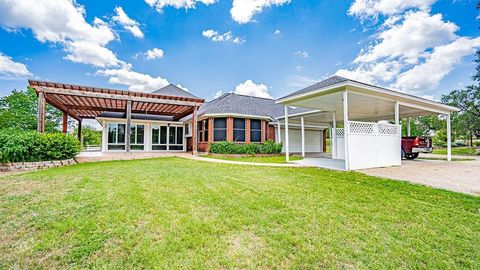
(26, 146)
(269, 147)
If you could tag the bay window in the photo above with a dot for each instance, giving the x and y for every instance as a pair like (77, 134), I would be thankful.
(220, 129)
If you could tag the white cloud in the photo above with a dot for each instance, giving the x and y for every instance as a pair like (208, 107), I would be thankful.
(366, 8)
(10, 68)
(134, 80)
(225, 37)
(61, 22)
(412, 51)
(154, 53)
(186, 4)
(217, 94)
(129, 24)
(299, 68)
(302, 54)
(250, 88)
(277, 32)
(410, 37)
(437, 66)
(243, 10)
(87, 52)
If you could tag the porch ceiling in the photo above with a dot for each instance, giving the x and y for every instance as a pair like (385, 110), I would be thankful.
(83, 102)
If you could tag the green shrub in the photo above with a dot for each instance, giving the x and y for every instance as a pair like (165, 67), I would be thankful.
(25, 146)
(269, 147)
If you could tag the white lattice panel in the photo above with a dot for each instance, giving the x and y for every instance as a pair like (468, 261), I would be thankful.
(340, 132)
(386, 129)
(361, 128)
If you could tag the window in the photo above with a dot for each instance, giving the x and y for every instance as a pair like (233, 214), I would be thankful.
(255, 130)
(175, 138)
(116, 136)
(239, 129)
(203, 130)
(159, 137)
(220, 129)
(187, 130)
(137, 133)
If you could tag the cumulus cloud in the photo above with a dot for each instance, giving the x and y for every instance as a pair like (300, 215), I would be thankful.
(250, 88)
(128, 24)
(159, 5)
(243, 10)
(366, 8)
(12, 69)
(277, 32)
(225, 37)
(135, 81)
(60, 22)
(413, 49)
(87, 52)
(154, 53)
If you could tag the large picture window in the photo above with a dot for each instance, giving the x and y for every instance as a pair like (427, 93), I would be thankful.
(255, 130)
(220, 129)
(159, 137)
(116, 136)
(175, 138)
(137, 136)
(239, 129)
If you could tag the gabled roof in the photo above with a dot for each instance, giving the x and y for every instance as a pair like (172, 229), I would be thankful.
(235, 104)
(173, 90)
(325, 83)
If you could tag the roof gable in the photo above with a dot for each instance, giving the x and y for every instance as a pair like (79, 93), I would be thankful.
(173, 90)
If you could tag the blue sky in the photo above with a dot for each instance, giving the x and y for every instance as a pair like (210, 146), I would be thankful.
(258, 47)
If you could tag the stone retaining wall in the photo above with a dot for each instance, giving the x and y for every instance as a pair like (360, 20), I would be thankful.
(30, 166)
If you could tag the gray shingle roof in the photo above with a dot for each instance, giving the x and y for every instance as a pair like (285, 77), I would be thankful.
(231, 103)
(328, 82)
(173, 90)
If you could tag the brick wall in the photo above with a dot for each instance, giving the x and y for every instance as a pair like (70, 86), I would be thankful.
(247, 130)
(271, 132)
(229, 129)
(264, 129)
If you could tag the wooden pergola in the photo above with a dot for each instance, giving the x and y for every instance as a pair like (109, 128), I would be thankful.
(84, 102)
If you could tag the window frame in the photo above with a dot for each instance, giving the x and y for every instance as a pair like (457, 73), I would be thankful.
(215, 128)
(116, 143)
(259, 130)
(240, 129)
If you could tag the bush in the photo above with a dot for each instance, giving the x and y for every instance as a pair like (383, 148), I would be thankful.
(26, 146)
(269, 147)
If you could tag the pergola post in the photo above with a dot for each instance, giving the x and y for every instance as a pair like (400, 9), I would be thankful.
(79, 131)
(64, 122)
(41, 112)
(287, 150)
(449, 138)
(194, 131)
(127, 126)
(333, 138)
(397, 113)
(345, 128)
(303, 136)
(408, 126)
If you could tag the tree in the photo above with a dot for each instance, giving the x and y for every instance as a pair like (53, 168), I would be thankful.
(19, 109)
(90, 136)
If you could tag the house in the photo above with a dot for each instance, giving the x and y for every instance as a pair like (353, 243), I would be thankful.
(170, 119)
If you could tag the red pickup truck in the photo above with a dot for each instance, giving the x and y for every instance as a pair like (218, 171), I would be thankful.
(413, 145)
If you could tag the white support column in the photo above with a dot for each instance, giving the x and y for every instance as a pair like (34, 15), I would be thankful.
(345, 128)
(333, 139)
(287, 150)
(279, 133)
(408, 126)
(397, 113)
(168, 137)
(449, 139)
(303, 136)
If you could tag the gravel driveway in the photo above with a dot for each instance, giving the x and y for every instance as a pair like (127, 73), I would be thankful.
(459, 176)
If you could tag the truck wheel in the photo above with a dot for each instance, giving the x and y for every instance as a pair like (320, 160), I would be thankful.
(411, 156)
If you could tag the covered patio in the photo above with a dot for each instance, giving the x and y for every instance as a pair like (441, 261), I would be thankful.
(84, 102)
(364, 121)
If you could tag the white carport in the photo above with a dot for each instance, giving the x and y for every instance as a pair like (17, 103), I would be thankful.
(359, 117)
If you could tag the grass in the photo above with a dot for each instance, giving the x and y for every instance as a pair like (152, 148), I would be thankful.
(171, 213)
(460, 151)
(256, 159)
(445, 159)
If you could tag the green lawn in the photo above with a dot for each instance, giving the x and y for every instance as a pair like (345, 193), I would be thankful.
(172, 213)
(461, 151)
(257, 159)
